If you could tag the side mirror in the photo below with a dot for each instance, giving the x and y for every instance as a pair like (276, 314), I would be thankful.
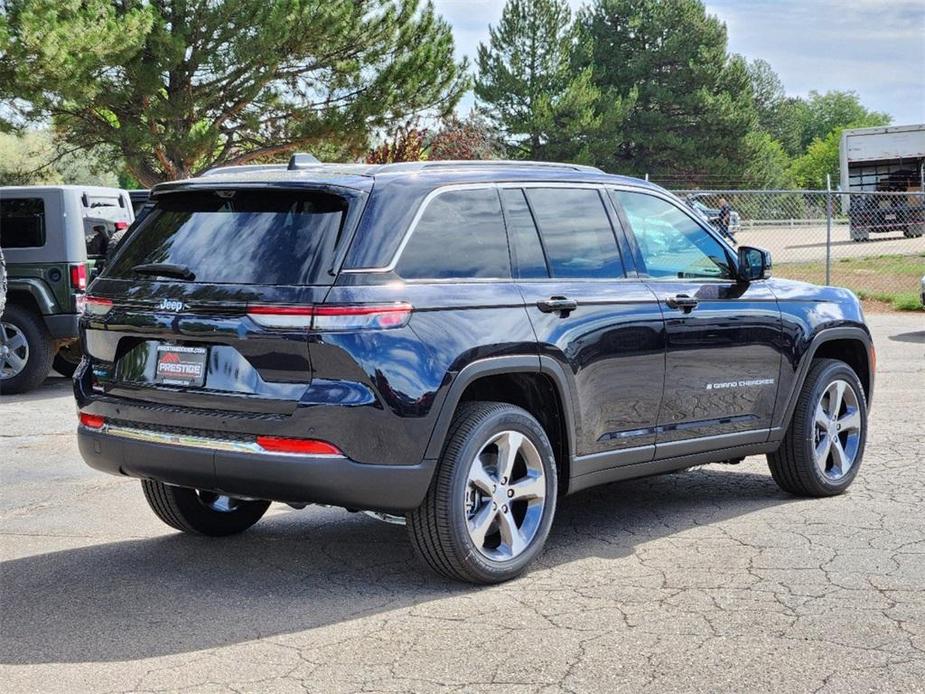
(754, 263)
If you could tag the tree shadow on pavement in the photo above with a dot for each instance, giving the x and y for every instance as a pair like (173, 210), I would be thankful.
(176, 594)
(916, 337)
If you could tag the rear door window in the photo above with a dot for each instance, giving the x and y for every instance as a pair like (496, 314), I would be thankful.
(576, 233)
(459, 235)
(22, 222)
(239, 236)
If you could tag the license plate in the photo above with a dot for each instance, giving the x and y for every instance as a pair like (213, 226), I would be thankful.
(890, 217)
(180, 366)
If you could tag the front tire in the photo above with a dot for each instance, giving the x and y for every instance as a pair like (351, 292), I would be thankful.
(822, 450)
(202, 513)
(25, 350)
(492, 500)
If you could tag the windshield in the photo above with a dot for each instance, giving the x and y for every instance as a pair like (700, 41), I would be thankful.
(238, 236)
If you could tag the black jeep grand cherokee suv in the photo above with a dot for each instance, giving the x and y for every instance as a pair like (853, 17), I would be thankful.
(458, 343)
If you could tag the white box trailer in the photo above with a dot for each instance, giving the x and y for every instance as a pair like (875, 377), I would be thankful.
(889, 160)
(870, 157)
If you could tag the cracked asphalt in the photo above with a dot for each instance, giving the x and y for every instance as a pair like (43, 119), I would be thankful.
(707, 580)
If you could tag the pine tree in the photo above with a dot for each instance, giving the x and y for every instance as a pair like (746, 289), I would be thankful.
(688, 103)
(527, 87)
(199, 83)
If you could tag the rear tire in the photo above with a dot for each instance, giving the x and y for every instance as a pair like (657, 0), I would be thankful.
(201, 513)
(492, 500)
(68, 359)
(823, 448)
(28, 358)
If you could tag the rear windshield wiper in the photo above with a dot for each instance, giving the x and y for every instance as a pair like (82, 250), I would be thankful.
(181, 272)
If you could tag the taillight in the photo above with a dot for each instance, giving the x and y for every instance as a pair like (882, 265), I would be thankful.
(360, 317)
(356, 317)
(281, 316)
(281, 444)
(92, 421)
(97, 305)
(121, 225)
(79, 277)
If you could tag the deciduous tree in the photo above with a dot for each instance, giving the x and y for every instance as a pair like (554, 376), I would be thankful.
(471, 137)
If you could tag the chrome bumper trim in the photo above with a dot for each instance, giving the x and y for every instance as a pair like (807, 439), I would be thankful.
(192, 441)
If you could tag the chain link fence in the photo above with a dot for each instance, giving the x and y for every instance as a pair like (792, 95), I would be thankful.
(872, 243)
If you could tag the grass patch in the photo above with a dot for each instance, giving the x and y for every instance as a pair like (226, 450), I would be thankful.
(891, 279)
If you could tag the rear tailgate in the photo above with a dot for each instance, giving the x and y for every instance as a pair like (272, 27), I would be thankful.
(167, 323)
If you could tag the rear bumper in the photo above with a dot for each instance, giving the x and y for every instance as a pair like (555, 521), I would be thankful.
(333, 480)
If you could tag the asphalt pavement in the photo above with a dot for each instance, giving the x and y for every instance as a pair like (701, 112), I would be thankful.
(707, 580)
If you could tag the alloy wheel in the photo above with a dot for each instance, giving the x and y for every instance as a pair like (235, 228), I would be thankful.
(219, 503)
(14, 351)
(837, 428)
(505, 496)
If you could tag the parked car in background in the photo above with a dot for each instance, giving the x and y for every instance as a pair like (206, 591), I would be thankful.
(456, 345)
(52, 237)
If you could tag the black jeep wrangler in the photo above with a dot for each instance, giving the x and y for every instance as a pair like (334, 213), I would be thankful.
(458, 344)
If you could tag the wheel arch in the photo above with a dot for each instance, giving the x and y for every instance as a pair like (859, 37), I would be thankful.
(525, 381)
(32, 294)
(852, 345)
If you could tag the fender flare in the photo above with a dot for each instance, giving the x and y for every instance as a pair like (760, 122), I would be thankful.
(44, 299)
(855, 333)
(493, 366)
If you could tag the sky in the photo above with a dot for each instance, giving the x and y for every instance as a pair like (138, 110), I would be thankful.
(873, 47)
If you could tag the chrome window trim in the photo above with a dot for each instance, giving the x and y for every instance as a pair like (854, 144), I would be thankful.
(425, 203)
(396, 257)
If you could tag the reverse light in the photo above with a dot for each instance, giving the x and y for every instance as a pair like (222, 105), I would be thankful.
(282, 444)
(332, 317)
(281, 316)
(79, 277)
(361, 317)
(96, 305)
(92, 421)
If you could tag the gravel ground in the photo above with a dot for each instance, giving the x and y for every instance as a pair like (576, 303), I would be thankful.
(710, 580)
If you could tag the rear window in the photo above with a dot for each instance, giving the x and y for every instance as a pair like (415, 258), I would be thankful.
(239, 237)
(22, 222)
(460, 235)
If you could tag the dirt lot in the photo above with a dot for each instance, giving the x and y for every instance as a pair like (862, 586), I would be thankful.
(707, 580)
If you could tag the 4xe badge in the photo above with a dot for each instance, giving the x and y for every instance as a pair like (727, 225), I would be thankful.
(174, 305)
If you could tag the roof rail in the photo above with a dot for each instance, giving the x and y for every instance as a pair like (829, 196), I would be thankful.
(242, 168)
(461, 163)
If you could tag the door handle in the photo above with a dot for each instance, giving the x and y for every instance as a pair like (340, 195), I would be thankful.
(556, 304)
(682, 301)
